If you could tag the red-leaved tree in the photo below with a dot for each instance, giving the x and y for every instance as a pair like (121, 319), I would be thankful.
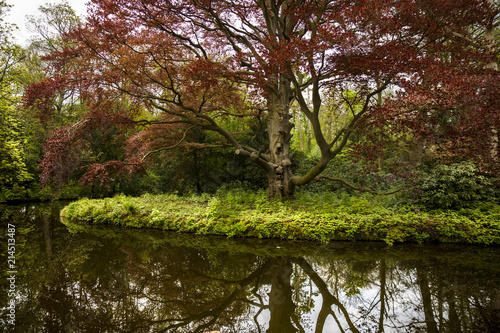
(192, 64)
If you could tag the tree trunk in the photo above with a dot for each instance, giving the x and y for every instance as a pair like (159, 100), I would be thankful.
(279, 130)
(454, 319)
(281, 306)
(299, 125)
(383, 282)
(281, 171)
(489, 36)
(47, 233)
(425, 290)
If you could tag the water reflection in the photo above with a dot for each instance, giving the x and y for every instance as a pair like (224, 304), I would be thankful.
(123, 280)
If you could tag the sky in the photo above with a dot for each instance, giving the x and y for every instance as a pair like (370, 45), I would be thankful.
(21, 8)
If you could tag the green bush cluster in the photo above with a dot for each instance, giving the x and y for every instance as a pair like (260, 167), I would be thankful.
(455, 186)
(236, 212)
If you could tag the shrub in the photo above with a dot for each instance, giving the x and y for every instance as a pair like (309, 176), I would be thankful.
(319, 217)
(455, 186)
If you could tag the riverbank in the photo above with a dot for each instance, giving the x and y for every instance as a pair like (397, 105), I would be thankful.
(323, 218)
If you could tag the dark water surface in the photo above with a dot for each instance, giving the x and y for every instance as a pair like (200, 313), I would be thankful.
(97, 279)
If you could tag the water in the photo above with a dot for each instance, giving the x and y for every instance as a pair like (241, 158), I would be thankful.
(98, 279)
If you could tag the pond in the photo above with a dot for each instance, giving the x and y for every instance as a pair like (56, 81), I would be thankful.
(98, 279)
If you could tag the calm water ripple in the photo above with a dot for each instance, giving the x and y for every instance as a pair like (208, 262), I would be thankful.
(95, 279)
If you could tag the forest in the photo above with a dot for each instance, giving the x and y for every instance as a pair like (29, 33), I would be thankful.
(393, 104)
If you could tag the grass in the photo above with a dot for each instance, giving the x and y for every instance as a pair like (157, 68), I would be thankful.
(324, 218)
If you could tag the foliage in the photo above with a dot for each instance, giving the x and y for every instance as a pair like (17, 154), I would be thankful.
(320, 217)
(14, 174)
(195, 280)
(23, 131)
(13, 168)
(459, 185)
(201, 170)
(358, 173)
(54, 21)
(136, 100)
(188, 67)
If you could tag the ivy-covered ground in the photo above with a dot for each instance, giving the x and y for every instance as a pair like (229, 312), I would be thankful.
(318, 217)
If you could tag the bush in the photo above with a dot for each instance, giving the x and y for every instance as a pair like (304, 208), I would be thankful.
(237, 212)
(456, 186)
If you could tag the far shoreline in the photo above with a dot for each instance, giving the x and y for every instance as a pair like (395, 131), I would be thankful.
(253, 216)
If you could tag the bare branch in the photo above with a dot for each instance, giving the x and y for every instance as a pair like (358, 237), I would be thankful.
(361, 189)
(170, 147)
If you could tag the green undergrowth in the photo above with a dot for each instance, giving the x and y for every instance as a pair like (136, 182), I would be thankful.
(324, 218)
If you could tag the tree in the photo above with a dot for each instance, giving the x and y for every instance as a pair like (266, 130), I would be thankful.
(13, 171)
(193, 63)
(454, 113)
(55, 20)
(22, 136)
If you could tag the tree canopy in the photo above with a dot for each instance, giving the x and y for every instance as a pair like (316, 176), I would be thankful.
(162, 70)
(13, 170)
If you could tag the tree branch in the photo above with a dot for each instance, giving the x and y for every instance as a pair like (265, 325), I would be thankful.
(169, 147)
(361, 189)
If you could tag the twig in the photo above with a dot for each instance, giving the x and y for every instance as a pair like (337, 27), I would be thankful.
(170, 147)
(361, 189)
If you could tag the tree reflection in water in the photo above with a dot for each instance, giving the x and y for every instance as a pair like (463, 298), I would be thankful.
(122, 280)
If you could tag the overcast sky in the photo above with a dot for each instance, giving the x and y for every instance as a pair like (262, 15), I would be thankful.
(21, 8)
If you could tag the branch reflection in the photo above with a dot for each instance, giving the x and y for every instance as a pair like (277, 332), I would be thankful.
(122, 280)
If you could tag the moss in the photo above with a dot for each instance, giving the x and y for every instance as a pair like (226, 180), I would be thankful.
(308, 218)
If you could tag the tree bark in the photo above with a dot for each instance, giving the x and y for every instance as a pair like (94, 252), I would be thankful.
(383, 282)
(489, 36)
(279, 129)
(281, 305)
(425, 290)
(299, 126)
